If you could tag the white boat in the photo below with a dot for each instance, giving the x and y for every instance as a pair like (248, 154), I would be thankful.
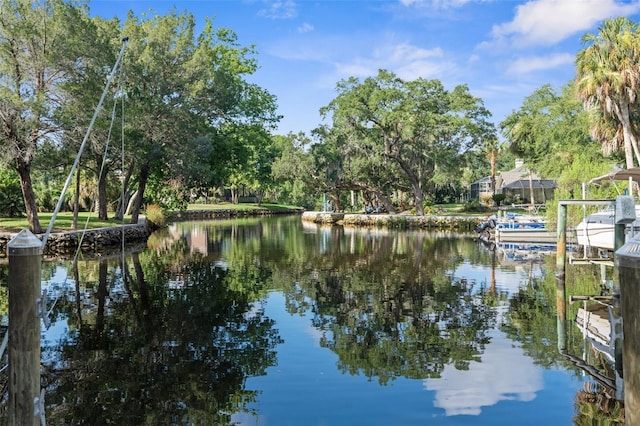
(524, 230)
(597, 229)
(516, 228)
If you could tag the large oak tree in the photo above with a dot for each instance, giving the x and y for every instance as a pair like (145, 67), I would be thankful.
(418, 126)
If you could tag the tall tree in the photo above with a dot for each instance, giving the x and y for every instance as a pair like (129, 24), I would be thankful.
(181, 85)
(549, 130)
(83, 90)
(291, 170)
(417, 125)
(608, 78)
(39, 41)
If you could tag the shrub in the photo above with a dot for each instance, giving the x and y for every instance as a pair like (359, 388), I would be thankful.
(155, 215)
(498, 198)
(11, 203)
(474, 206)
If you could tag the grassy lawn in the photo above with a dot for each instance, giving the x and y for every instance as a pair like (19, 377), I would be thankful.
(64, 222)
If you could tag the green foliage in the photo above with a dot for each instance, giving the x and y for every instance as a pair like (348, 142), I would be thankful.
(498, 198)
(606, 81)
(389, 134)
(550, 131)
(155, 215)
(474, 206)
(292, 171)
(11, 203)
(38, 42)
(168, 194)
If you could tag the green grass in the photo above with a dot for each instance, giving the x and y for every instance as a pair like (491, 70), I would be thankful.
(64, 222)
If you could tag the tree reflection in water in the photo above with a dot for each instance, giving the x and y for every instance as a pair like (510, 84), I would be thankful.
(172, 336)
(153, 347)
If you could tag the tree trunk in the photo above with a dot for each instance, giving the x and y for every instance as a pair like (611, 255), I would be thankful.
(131, 202)
(532, 200)
(142, 184)
(493, 171)
(102, 195)
(630, 142)
(235, 195)
(124, 201)
(419, 198)
(24, 171)
(336, 202)
(418, 194)
(386, 202)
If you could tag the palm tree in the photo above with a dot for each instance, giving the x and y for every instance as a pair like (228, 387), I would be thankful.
(608, 77)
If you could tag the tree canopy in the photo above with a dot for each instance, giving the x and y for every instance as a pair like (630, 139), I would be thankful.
(607, 81)
(417, 126)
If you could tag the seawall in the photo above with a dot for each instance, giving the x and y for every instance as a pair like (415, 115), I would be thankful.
(397, 221)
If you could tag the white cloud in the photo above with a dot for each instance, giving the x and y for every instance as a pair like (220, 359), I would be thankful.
(405, 52)
(279, 9)
(407, 61)
(536, 63)
(305, 28)
(358, 68)
(466, 392)
(436, 4)
(364, 56)
(545, 22)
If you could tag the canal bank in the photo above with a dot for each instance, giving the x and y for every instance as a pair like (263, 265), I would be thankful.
(101, 240)
(396, 221)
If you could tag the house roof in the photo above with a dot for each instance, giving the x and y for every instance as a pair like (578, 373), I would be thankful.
(505, 178)
(536, 183)
(484, 179)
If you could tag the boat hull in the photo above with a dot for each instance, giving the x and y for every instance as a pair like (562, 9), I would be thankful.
(598, 230)
(526, 235)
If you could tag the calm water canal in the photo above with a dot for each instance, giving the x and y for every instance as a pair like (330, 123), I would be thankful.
(276, 322)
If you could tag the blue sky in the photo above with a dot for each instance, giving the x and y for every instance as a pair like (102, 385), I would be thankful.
(502, 49)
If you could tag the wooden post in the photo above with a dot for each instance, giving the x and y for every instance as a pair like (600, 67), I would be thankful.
(25, 256)
(627, 260)
(561, 266)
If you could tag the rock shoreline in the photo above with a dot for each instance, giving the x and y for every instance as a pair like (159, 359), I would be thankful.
(397, 221)
(63, 244)
(187, 215)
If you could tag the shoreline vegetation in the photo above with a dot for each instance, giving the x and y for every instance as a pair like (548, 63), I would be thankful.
(97, 236)
(64, 220)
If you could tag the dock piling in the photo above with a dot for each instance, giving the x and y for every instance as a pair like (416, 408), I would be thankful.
(25, 257)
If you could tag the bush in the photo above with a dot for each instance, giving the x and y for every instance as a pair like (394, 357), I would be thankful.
(155, 215)
(11, 203)
(474, 206)
(498, 198)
